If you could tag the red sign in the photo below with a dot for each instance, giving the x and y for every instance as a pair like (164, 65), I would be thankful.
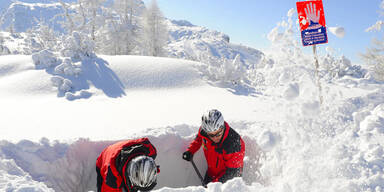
(312, 22)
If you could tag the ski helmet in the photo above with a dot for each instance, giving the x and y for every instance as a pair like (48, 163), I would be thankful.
(212, 120)
(142, 171)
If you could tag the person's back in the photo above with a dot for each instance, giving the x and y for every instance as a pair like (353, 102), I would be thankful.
(117, 167)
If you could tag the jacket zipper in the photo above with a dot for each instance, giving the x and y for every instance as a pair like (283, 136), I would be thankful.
(217, 162)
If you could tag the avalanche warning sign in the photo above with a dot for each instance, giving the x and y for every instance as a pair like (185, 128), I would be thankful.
(312, 22)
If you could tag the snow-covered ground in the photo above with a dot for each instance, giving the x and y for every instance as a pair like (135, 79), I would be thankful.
(293, 143)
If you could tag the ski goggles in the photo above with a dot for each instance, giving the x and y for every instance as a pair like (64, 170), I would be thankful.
(216, 134)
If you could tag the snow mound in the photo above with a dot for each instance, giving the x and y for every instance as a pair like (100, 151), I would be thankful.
(42, 160)
(112, 76)
(12, 178)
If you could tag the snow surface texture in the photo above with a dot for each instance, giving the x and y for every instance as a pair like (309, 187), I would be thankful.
(291, 140)
(186, 40)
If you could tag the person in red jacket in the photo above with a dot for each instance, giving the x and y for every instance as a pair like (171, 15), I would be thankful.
(223, 148)
(127, 166)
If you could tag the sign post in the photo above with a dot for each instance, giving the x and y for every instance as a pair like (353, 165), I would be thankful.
(313, 29)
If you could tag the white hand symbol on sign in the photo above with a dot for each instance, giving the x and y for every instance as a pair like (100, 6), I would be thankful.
(311, 13)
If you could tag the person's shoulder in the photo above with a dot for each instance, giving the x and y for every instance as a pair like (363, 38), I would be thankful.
(232, 143)
(232, 134)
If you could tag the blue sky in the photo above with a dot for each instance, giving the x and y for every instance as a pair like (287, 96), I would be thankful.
(249, 21)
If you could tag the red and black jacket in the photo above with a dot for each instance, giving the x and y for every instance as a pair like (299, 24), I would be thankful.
(224, 159)
(112, 162)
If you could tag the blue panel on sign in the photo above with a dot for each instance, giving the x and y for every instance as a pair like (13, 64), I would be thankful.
(313, 36)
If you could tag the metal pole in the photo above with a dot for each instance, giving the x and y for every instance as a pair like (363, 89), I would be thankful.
(198, 172)
(317, 74)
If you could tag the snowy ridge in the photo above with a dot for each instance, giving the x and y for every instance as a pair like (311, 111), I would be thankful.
(186, 40)
(43, 159)
(199, 43)
(23, 16)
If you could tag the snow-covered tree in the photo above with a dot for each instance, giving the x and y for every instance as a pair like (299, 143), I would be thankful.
(375, 55)
(119, 34)
(155, 33)
(126, 9)
(84, 22)
(42, 37)
(93, 12)
(233, 71)
(116, 38)
(78, 46)
(70, 19)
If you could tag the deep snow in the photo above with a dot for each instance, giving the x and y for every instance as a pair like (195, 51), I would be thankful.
(291, 140)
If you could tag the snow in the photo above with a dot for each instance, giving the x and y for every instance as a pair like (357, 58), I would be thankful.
(15, 179)
(25, 15)
(289, 136)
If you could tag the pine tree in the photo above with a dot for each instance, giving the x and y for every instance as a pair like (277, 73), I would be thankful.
(155, 33)
(120, 32)
(93, 12)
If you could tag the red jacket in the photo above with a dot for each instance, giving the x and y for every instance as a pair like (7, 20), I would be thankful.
(224, 159)
(111, 163)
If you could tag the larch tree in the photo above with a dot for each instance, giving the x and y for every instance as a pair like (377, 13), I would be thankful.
(155, 32)
(120, 32)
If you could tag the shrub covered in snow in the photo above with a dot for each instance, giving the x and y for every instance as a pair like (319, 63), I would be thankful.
(62, 84)
(44, 59)
(78, 46)
(340, 67)
(225, 70)
(42, 37)
(68, 68)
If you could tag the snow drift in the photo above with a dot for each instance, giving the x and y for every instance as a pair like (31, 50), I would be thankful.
(291, 140)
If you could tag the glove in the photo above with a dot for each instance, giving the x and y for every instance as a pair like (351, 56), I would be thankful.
(187, 156)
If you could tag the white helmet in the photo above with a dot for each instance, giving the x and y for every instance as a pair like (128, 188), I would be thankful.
(212, 120)
(142, 171)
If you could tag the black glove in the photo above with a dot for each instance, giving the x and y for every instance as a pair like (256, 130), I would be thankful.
(187, 156)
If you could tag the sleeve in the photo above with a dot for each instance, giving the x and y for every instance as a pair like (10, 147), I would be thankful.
(108, 184)
(195, 144)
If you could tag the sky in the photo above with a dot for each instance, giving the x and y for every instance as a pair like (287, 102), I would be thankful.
(249, 21)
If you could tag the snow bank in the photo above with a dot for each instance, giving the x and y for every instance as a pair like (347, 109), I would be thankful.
(76, 161)
(12, 178)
